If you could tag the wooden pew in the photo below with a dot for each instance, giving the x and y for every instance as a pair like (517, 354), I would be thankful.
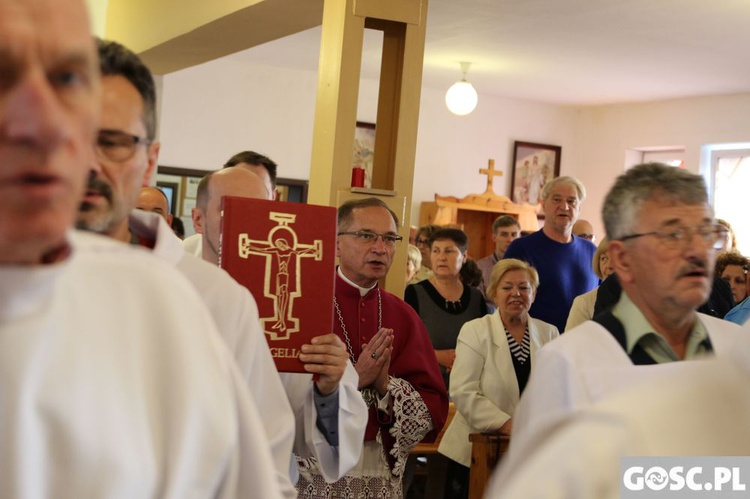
(486, 451)
(437, 464)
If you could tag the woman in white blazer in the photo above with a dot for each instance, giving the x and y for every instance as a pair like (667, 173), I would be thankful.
(494, 356)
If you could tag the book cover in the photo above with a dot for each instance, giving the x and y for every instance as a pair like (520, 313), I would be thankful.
(284, 253)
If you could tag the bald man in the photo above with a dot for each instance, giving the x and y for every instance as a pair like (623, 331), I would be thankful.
(207, 211)
(584, 230)
(263, 166)
(331, 414)
(154, 200)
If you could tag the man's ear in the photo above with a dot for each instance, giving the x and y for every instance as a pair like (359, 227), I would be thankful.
(620, 257)
(170, 219)
(153, 158)
(198, 220)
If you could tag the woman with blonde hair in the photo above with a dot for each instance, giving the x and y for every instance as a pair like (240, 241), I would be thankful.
(494, 357)
(582, 309)
(726, 232)
(413, 262)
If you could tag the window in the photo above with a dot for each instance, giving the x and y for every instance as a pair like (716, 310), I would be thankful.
(669, 155)
(728, 180)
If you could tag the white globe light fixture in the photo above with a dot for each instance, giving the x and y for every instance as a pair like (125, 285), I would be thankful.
(461, 98)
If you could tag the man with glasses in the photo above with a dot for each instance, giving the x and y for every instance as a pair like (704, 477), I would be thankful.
(662, 244)
(398, 374)
(125, 147)
(562, 259)
(583, 229)
(125, 155)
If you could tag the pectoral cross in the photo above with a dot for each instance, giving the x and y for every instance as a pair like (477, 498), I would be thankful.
(491, 173)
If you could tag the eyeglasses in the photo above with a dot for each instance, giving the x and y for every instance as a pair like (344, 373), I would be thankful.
(589, 237)
(422, 242)
(370, 238)
(118, 146)
(674, 238)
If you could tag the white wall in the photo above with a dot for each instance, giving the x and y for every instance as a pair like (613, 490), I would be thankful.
(451, 149)
(212, 111)
(603, 133)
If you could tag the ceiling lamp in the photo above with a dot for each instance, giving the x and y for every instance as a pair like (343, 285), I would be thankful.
(461, 98)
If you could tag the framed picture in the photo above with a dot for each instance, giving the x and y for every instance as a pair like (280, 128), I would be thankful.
(171, 190)
(533, 165)
(364, 154)
(291, 190)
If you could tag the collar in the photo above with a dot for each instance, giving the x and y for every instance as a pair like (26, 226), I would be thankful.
(362, 291)
(639, 330)
(152, 229)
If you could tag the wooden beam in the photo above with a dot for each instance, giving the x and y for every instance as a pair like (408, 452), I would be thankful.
(175, 34)
(403, 26)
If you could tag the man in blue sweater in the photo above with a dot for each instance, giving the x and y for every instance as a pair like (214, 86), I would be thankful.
(562, 259)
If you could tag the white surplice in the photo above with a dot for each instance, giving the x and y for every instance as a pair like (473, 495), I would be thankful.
(116, 384)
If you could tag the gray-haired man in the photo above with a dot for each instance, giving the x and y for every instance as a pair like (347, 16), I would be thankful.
(663, 240)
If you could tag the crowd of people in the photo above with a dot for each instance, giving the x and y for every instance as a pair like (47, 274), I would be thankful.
(133, 366)
(644, 300)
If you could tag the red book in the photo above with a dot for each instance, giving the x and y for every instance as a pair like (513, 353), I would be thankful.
(284, 253)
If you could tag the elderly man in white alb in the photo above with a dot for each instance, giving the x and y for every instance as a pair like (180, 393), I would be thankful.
(663, 240)
(115, 382)
(581, 457)
(128, 110)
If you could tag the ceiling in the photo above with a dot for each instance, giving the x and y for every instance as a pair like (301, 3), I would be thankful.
(571, 52)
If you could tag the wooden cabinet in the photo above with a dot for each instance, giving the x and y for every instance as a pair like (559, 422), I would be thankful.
(475, 214)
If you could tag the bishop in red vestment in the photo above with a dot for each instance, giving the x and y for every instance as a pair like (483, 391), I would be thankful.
(399, 376)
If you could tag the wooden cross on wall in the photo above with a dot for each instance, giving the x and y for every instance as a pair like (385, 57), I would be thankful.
(491, 173)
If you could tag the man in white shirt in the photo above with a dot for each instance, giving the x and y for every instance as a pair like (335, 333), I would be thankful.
(338, 396)
(662, 242)
(115, 383)
(690, 409)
